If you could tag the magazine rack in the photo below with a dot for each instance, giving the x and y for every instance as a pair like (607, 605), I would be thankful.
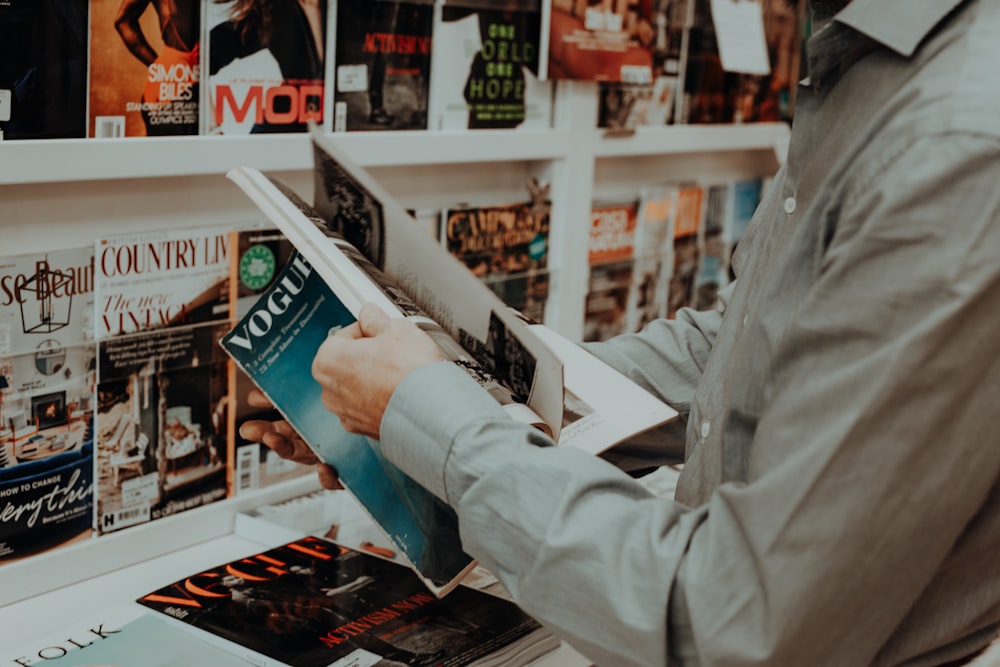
(75, 190)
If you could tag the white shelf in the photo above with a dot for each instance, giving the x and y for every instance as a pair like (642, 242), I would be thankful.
(680, 139)
(54, 161)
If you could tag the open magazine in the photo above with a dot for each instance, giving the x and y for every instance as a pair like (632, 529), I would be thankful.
(358, 245)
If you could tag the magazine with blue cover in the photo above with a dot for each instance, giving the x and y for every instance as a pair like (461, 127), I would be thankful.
(275, 344)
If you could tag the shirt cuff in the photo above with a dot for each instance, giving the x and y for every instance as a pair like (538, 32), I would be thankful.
(425, 414)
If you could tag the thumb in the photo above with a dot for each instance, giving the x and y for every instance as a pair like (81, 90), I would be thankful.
(372, 320)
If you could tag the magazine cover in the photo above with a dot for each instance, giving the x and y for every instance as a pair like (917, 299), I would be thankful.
(382, 64)
(257, 257)
(652, 256)
(506, 246)
(600, 41)
(312, 603)
(123, 635)
(707, 96)
(144, 68)
(162, 305)
(626, 106)
(487, 65)
(43, 69)
(744, 197)
(293, 317)
(771, 97)
(610, 256)
(265, 66)
(690, 216)
(46, 386)
(630, 103)
(713, 257)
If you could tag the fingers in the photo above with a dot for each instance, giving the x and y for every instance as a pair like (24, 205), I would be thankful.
(257, 399)
(280, 438)
(328, 478)
(372, 320)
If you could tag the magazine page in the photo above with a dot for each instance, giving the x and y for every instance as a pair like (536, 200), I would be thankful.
(356, 280)
(603, 407)
(331, 606)
(274, 344)
(354, 205)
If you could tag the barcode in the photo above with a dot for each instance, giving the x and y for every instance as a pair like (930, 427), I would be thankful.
(125, 517)
(109, 127)
(246, 468)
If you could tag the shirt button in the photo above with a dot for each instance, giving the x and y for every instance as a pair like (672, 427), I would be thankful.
(790, 205)
(704, 428)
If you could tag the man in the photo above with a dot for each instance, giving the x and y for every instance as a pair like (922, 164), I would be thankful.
(840, 498)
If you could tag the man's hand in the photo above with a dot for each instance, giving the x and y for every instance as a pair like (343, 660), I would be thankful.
(283, 440)
(358, 369)
(360, 366)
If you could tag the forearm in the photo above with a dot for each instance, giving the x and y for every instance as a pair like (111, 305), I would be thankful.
(527, 511)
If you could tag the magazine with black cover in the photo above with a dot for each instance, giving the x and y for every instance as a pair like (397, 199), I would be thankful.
(485, 71)
(43, 69)
(313, 603)
(382, 65)
(358, 245)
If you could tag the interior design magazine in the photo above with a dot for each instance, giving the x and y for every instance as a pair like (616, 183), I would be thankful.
(47, 357)
(313, 603)
(408, 274)
(125, 634)
(161, 306)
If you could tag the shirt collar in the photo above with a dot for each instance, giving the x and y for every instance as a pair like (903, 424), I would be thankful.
(841, 39)
(897, 24)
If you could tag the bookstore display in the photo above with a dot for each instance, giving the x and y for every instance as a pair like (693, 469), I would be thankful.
(145, 68)
(141, 420)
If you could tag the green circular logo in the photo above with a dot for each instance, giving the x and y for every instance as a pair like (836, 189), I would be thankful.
(257, 267)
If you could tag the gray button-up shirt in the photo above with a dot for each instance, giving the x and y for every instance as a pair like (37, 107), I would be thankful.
(839, 503)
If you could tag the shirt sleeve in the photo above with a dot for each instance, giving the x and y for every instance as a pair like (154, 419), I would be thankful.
(667, 357)
(882, 400)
